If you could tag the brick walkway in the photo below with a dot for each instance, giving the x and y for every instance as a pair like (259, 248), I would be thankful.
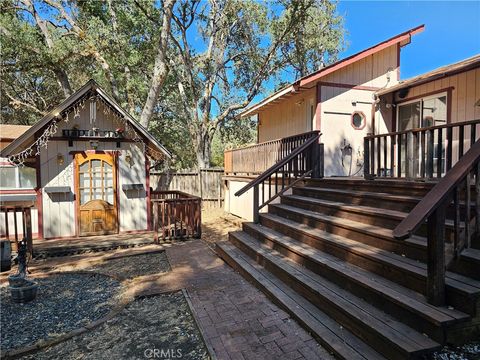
(238, 320)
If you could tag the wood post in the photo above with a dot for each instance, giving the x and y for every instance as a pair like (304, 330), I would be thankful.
(27, 214)
(255, 204)
(366, 158)
(436, 257)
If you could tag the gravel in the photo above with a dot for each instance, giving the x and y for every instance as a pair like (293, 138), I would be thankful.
(131, 266)
(64, 302)
(160, 324)
(470, 351)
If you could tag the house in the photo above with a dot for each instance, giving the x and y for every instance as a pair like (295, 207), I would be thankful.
(8, 133)
(84, 167)
(362, 196)
(337, 100)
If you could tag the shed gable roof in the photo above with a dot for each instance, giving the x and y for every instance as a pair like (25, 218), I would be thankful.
(28, 136)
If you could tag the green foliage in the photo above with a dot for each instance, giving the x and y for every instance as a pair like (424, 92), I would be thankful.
(220, 56)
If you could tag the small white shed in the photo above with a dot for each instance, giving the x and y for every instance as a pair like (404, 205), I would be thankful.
(92, 162)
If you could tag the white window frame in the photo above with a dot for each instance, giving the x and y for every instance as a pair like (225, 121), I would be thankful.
(421, 100)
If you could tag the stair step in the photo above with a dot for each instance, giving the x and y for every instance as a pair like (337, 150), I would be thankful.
(462, 292)
(365, 214)
(367, 198)
(400, 187)
(392, 338)
(392, 298)
(414, 247)
(327, 331)
(468, 263)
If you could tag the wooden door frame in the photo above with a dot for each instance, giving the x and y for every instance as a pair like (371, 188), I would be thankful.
(76, 164)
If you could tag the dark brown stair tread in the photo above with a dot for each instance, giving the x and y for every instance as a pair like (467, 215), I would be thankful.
(362, 193)
(331, 335)
(378, 231)
(467, 285)
(362, 209)
(393, 291)
(376, 182)
(399, 215)
(472, 254)
(382, 325)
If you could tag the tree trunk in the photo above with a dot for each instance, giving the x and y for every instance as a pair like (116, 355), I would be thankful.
(160, 69)
(203, 149)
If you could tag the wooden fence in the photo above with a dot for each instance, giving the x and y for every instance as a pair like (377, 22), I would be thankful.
(176, 215)
(206, 184)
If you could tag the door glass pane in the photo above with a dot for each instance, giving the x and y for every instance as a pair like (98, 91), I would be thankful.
(409, 116)
(84, 167)
(97, 180)
(434, 111)
(84, 180)
(96, 194)
(108, 180)
(109, 195)
(84, 196)
(96, 165)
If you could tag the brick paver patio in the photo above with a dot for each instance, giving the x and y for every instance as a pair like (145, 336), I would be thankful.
(238, 320)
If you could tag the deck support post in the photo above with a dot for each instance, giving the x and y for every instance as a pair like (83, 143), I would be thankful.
(436, 257)
(255, 205)
(366, 159)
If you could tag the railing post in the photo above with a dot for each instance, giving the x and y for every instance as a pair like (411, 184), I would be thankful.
(27, 214)
(321, 162)
(436, 257)
(366, 158)
(255, 204)
(317, 160)
(155, 221)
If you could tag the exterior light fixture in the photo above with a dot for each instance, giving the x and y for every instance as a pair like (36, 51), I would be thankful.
(94, 144)
(60, 159)
(128, 159)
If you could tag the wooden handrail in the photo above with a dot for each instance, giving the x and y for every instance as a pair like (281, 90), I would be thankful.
(285, 139)
(267, 173)
(422, 129)
(439, 194)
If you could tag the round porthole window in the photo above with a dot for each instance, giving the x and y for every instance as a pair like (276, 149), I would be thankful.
(358, 120)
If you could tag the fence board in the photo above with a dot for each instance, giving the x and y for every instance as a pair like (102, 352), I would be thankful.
(206, 184)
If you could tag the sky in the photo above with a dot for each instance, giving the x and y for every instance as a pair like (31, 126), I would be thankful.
(452, 30)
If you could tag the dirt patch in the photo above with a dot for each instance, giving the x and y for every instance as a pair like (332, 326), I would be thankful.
(216, 224)
(160, 324)
(132, 266)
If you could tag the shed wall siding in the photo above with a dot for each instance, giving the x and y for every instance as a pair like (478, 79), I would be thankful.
(59, 210)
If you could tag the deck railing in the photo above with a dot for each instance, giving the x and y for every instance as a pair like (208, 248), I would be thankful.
(255, 159)
(176, 215)
(452, 197)
(22, 220)
(305, 160)
(418, 153)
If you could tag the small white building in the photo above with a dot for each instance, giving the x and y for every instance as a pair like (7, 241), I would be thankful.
(85, 168)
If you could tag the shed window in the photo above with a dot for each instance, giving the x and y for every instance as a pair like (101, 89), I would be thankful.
(13, 177)
(358, 120)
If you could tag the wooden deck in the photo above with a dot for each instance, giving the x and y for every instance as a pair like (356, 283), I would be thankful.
(59, 247)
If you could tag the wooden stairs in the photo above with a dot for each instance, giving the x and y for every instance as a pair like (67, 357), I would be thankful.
(326, 254)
